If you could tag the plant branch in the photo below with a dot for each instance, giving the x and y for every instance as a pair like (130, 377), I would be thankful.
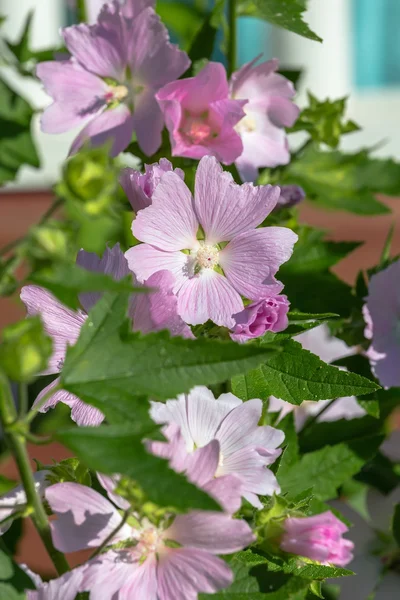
(313, 419)
(112, 534)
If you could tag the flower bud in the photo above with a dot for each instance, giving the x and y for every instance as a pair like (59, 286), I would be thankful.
(290, 196)
(269, 314)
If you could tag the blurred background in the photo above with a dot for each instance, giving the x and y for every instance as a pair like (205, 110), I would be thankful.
(359, 58)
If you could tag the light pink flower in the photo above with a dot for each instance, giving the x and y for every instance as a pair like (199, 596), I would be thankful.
(144, 566)
(269, 314)
(228, 215)
(268, 111)
(244, 449)
(108, 85)
(139, 187)
(65, 587)
(201, 117)
(15, 499)
(382, 317)
(319, 538)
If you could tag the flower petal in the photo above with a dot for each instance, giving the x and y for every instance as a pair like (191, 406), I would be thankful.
(204, 415)
(227, 490)
(249, 466)
(109, 484)
(226, 209)
(238, 425)
(61, 323)
(251, 260)
(65, 587)
(105, 575)
(17, 498)
(170, 222)
(208, 295)
(145, 260)
(143, 583)
(202, 464)
(148, 122)
(85, 518)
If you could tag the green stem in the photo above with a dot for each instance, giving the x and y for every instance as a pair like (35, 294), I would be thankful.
(232, 36)
(16, 443)
(312, 419)
(81, 11)
(23, 399)
(111, 535)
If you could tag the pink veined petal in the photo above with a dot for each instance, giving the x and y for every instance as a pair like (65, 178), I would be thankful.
(173, 411)
(240, 77)
(65, 587)
(148, 122)
(112, 125)
(158, 310)
(266, 437)
(145, 260)
(143, 583)
(84, 517)
(260, 150)
(208, 295)
(204, 414)
(237, 425)
(249, 466)
(169, 223)
(251, 260)
(106, 574)
(282, 112)
(132, 8)
(215, 532)
(77, 95)
(109, 484)
(97, 49)
(224, 114)
(185, 572)
(202, 464)
(226, 209)
(130, 183)
(61, 323)
(227, 490)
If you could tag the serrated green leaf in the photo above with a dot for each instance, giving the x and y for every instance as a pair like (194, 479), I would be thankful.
(396, 524)
(290, 454)
(283, 13)
(360, 364)
(120, 449)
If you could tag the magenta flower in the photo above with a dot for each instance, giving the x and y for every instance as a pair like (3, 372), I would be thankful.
(140, 188)
(319, 538)
(382, 317)
(269, 109)
(145, 565)
(226, 215)
(269, 314)
(108, 85)
(244, 449)
(201, 117)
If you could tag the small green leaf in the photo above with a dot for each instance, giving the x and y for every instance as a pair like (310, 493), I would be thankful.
(396, 524)
(184, 20)
(13, 580)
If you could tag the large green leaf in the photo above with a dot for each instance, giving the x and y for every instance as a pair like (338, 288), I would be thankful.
(109, 361)
(13, 580)
(284, 13)
(120, 449)
(16, 144)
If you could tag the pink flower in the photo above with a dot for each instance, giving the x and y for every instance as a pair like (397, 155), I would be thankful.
(108, 85)
(382, 317)
(228, 215)
(140, 188)
(145, 565)
(15, 499)
(269, 314)
(201, 117)
(319, 538)
(291, 195)
(269, 109)
(244, 449)
(150, 312)
(65, 587)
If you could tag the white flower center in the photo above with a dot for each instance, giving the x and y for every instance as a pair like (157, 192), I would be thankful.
(247, 124)
(207, 256)
(150, 540)
(117, 93)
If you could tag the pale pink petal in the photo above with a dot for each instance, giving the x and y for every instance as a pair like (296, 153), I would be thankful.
(230, 401)
(259, 150)
(241, 78)
(251, 260)
(215, 532)
(105, 575)
(202, 464)
(114, 125)
(266, 437)
(145, 260)
(219, 201)
(109, 484)
(77, 94)
(173, 411)
(132, 8)
(238, 425)
(204, 415)
(61, 323)
(16, 498)
(208, 295)
(185, 572)
(227, 490)
(282, 112)
(170, 222)
(148, 122)
(65, 587)
(84, 517)
(143, 583)
(250, 467)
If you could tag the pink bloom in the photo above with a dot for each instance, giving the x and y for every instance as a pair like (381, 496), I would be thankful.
(144, 566)
(382, 317)
(269, 109)
(108, 85)
(269, 314)
(140, 188)
(319, 538)
(291, 195)
(244, 449)
(226, 212)
(16, 498)
(65, 587)
(201, 117)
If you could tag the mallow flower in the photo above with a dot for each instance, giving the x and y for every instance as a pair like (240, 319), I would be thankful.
(15, 500)
(382, 318)
(200, 116)
(319, 537)
(211, 243)
(268, 314)
(244, 448)
(154, 312)
(269, 109)
(139, 187)
(108, 84)
(175, 559)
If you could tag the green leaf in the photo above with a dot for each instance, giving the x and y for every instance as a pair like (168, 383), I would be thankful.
(6, 484)
(328, 468)
(334, 180)
(360, 364)
(290, 454)
(13, 580)
(109, 361)
(396, 524)
(182, 19)
(120, 449)
(283, 13)
(298, 323)
(21, 49)
(202, 45)
(16, 144)
(295, 374)
(66, 281)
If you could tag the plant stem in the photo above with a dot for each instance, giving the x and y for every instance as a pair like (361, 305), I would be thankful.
(81, 11)
(23, 399)
(112, 534)
(16, 443)
(232, 36)
(312, 419)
